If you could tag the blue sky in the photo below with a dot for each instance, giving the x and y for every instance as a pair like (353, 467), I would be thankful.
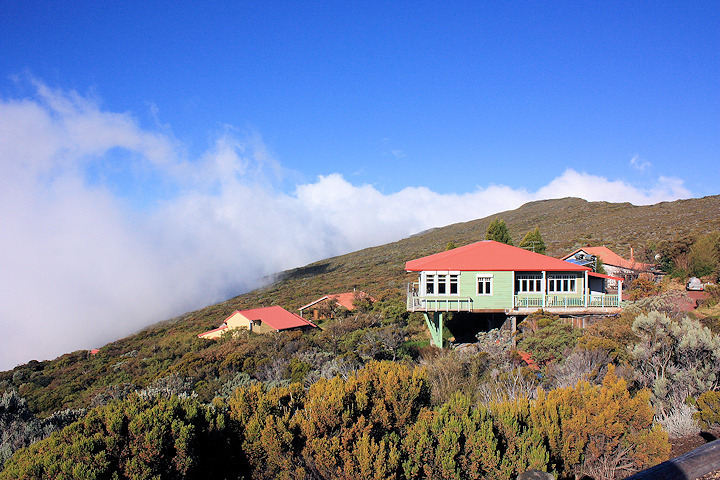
(182, 142)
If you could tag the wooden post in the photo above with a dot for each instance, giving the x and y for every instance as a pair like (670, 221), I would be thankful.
(513, 322)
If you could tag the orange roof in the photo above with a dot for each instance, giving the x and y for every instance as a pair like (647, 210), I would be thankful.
(527, 358)
(609, 257)
(489, 255)
(276, 317)
(343, 299)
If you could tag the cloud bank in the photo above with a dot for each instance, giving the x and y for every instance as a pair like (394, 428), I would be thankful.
(108, 226)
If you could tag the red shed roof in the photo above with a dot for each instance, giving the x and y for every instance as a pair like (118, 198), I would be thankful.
(489, 255)
(609, 257)
(346, 299)
(276, 317)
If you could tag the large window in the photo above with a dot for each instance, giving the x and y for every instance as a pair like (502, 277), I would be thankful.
(437, 283)
(484, 285)
(528, 283)
(561, 284)
(453, 279)
(430, 284)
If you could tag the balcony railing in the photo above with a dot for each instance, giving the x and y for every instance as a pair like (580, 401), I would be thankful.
(439, 304)
(565, 301)
(416, 302)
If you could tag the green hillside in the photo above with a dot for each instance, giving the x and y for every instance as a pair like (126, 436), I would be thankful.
(171, 347)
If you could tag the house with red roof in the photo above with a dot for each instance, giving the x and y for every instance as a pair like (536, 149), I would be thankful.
(323, 307)
(492, 277)
(614, 264)
(260, 320)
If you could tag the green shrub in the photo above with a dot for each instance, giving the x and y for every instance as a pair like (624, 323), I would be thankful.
(708, 414)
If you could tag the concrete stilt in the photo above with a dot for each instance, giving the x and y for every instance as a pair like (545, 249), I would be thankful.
(434, 322)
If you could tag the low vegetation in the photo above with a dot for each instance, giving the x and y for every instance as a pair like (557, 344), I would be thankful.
(367, 396)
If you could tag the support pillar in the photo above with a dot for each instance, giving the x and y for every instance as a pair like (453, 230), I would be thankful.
(434, 322)
(513, 322)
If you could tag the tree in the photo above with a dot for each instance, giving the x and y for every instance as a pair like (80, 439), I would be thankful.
(705, 255)
(533, 241)
(498, 231)
(450, 246)
(599, 266)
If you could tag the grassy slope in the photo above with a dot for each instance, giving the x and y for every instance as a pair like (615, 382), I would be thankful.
(73, 379)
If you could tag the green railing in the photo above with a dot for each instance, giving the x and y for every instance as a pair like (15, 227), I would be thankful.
(430, 304)
(565, 301)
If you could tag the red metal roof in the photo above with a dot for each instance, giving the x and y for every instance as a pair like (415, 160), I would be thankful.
(609, 257)
(489, 255)
(343, 299)
(276, 317)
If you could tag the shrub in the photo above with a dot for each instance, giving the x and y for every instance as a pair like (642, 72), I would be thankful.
(458, 441)
(642, 287)
(548, 339)
(679, 420)
(135, 438)
(675, 359)
(601, 431)
(20, 428)
(708, 413)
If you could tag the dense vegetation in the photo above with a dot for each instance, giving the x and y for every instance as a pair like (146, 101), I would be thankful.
(255, 402)
(377, 423)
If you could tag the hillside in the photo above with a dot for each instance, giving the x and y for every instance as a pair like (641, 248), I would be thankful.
(171, 347)
(565, 224)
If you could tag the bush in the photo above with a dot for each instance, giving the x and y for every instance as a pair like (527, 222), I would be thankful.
(20, 428)
(642, 287)
(675, 360)
(601, 431)
(708, 414)
(547, 338)
(136, 438)
(679, 420)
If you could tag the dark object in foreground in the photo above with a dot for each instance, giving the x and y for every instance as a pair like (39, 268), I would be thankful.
(694, 464)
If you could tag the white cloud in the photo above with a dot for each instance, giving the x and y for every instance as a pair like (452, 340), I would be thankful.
(79, 267)
(638, 163)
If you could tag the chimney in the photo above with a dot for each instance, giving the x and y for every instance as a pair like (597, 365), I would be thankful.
(632, 255)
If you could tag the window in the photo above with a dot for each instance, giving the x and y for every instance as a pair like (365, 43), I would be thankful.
(484, 285)
(430, 284)
(442, 279)
(442, 283)
(528, 283)
(561, 283)
(454, 284)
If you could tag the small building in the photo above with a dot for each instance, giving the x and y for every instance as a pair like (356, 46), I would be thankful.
(614, 264)
(324, 307)
(492, 277)
(260, 320)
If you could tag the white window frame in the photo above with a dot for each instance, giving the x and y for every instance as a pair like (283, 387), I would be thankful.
(441, 280)
(524, 281)
(454, 279)
(562, 283)
(488, 278)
